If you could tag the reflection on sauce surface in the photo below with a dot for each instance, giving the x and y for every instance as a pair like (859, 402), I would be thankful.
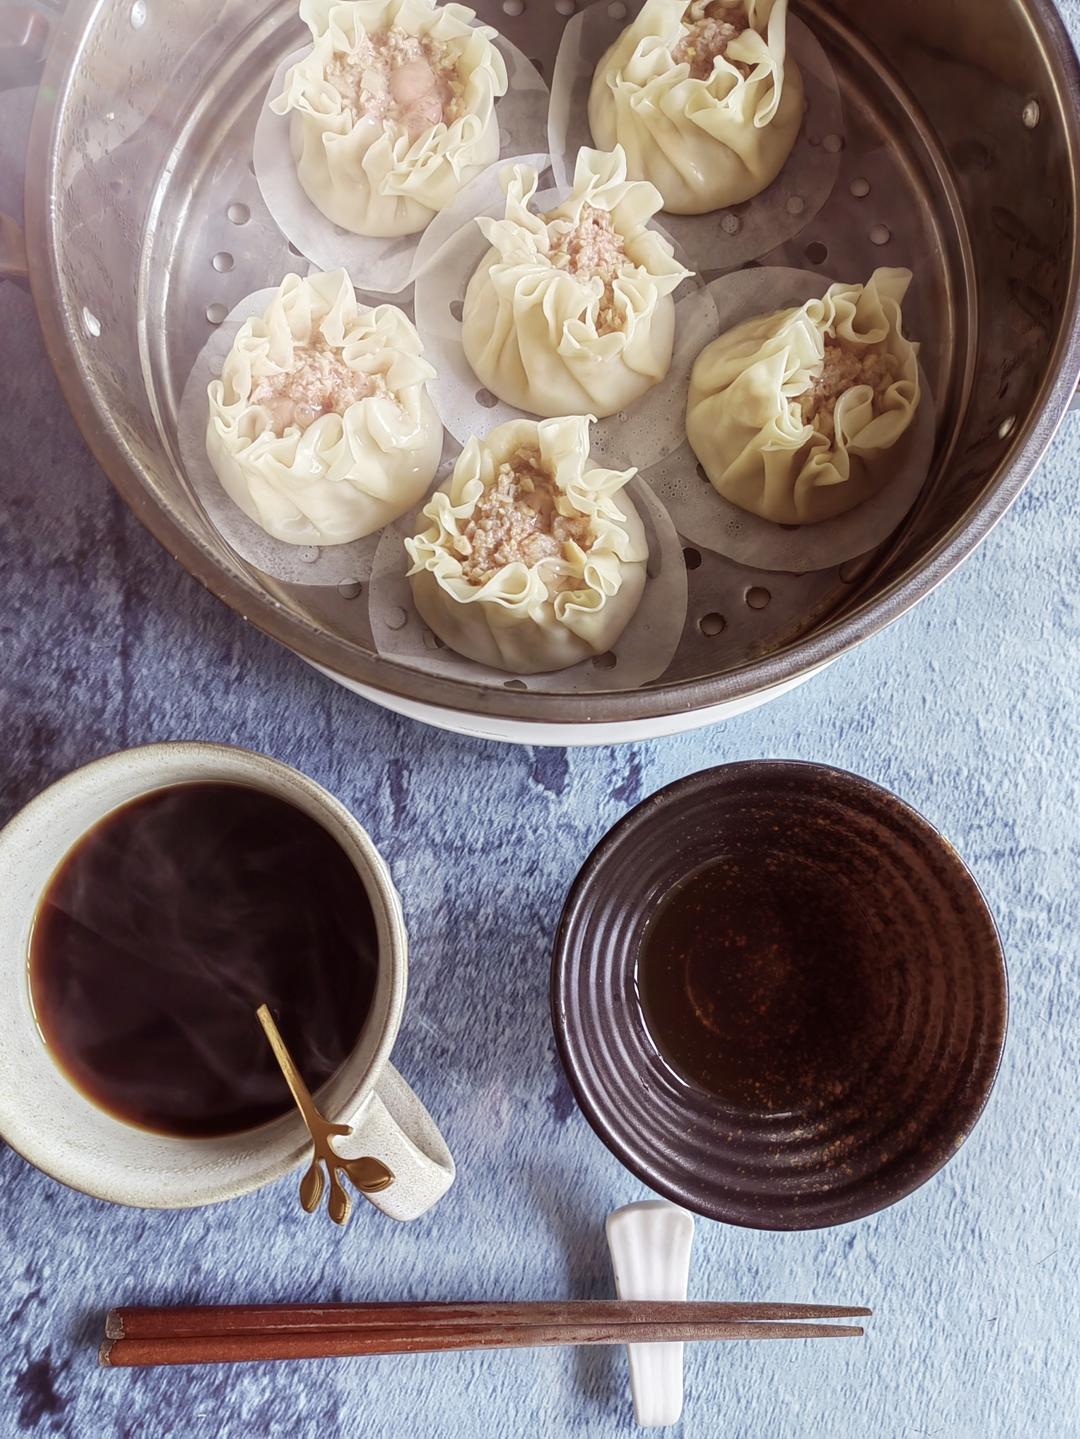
(758, 975)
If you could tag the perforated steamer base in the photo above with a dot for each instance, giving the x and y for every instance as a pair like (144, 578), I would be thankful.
(211, 241)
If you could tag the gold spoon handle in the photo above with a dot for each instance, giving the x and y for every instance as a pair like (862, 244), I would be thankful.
(300, 1092)
(369, 1175)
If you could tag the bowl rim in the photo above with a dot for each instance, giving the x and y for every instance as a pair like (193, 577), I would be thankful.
(714, 1206)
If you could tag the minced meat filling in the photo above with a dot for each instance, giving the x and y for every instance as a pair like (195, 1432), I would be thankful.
(516, 521)
(845, 366)
(412, 80)
(591, 248)
(318, 382)
(709, 30)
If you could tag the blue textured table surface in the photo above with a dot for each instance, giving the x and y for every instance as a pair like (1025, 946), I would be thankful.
(968, 708)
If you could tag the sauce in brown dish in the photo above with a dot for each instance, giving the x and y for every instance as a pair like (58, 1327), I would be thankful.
(754, 979)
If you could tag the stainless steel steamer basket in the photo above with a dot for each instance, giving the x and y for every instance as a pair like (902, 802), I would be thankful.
(965, 118)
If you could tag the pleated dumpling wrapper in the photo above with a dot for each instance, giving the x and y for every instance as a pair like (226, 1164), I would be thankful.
(704, 99)
(321, 428)
(534, 559)
(393, 110)
(793, 414)
(571, 313)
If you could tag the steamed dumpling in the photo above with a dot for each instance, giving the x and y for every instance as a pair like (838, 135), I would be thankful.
(703, 98)
(393, 110)
(321, 428)
(571, 313)
(533, 560)
(793, 414)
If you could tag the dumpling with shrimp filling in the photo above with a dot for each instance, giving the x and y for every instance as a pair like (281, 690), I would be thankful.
(571, 312)
(703, 97)
(534, 558)
(321, 428)
(793, 414)
(393, 110)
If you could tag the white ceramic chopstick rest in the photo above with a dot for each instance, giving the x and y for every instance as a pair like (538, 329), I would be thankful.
(650, 1253)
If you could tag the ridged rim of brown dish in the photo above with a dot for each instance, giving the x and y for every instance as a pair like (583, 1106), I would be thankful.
(678, 1139)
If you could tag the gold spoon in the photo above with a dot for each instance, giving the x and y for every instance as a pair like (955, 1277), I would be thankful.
(369, 1175)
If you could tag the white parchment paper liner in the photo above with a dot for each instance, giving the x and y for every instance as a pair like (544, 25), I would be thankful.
(644, 649)
(707, 519)
(721, 239)
(386, 266)
(451, 251)
(298, 564)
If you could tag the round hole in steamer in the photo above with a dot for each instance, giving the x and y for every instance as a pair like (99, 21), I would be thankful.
(880, 234)
(238, 213)
(457, 309)
(795, 204)
(833, 144)
(850, 570)
(307, 554)
(730, 224)
(605, 662)
(817, 253)
(1031, 114)
(513, 7)
(223, 262)
(91, 323)
(617, 11)
(691, 558)
(1006, 427)
(860, 187)
(565, 7)
(515, 685)
(216, 312)
(349, 589)
(712, 624)
(757, 597)
(137, 14)
(396, 618)
(487, 399)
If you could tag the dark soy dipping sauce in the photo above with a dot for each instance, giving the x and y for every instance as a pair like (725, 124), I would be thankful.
(167, 926)
(754, 980)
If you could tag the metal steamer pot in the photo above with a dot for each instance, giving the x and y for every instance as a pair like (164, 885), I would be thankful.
(966, 118)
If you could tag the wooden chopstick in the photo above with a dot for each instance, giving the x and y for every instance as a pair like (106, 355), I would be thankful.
(197, 1321)
(211, 1348)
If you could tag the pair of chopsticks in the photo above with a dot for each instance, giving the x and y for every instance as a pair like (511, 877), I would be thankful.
(237, 1333)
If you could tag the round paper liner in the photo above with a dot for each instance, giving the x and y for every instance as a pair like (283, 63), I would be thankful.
(642, 653)
(384, 265)
(296, 564)
(453, 248)
(706, 518)
(724, 238)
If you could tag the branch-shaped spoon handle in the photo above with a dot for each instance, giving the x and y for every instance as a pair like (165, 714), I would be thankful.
(368, 1174)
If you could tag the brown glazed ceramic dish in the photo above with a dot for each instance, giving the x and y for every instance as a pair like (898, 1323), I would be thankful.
(914, 1031)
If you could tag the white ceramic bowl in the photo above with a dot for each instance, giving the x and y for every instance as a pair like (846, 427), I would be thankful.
(55, 1126)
